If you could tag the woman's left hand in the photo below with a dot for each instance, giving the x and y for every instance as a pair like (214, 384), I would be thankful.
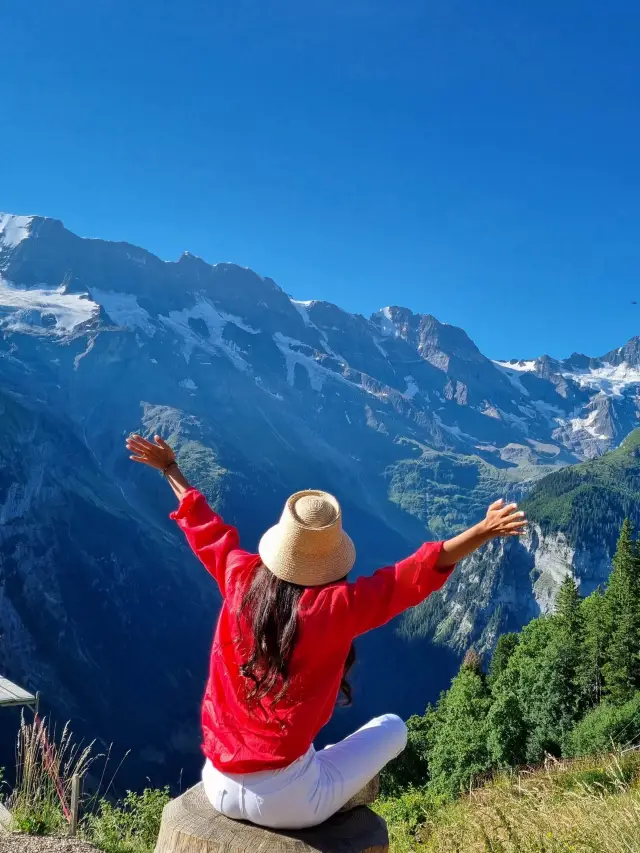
(504, 520)
(157, 455)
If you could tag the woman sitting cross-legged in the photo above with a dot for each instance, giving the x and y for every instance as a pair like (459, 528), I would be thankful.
(283, 646)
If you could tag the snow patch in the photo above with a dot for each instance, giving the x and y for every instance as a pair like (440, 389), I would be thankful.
(42, 311)
(301, 308)
(588, 425)
(124, 310)
(519, 366)
(412, 387)
(512, 371)
(263, 387)
(215, 322)
(189, 384)
(454, 430)
(317, 373)
(387, 326)
(609, 379)
(14, 229)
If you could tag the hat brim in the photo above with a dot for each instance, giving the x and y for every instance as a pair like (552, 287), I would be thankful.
(286, 562)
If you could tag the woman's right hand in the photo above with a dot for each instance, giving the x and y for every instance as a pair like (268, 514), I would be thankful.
(156, 454)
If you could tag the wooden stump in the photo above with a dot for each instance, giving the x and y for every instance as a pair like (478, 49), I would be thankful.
(190, 824)
(369, 794)
(5, 819)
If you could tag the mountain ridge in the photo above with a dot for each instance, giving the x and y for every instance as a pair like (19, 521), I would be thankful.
(575, 406)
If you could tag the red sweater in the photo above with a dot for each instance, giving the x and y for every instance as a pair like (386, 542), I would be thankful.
(243, 738)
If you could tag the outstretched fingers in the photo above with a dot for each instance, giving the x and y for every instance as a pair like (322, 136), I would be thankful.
(515, 528)
(508, 510)
(142, 450)
(142, 445)
(496, 504)
(138, 441)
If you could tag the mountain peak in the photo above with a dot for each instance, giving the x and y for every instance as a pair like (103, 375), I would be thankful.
(392, 320)
(189, 257)
(629, 354)
(14, 229)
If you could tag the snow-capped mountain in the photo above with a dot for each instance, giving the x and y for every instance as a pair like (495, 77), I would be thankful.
(425, 377)
(399, 414)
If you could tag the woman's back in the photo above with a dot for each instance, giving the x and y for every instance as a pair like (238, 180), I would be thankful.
(244, 734)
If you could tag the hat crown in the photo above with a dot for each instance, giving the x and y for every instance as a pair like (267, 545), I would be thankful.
(308, 546)
(315, 511)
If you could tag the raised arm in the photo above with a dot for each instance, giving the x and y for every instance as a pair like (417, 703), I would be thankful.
(500, 520)
(211, 540)
(387, 593)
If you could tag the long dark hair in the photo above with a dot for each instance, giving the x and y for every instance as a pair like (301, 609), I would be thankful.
(271, 609)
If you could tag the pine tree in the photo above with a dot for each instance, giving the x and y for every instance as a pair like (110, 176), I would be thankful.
(568, 615)
(502, 653)
(594, 642)
(458, 739)
(622, 654)
(554, 702)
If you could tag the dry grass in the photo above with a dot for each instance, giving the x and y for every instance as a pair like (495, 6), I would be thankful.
(588, 806)
(45, 766)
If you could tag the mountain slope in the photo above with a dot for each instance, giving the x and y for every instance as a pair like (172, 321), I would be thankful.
(576, 514)
(587, 502)
(398, 414)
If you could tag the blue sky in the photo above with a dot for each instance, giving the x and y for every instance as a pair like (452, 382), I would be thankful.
(475, 160)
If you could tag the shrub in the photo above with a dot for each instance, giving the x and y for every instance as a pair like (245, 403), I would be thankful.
(411, 808)
(130, 826)
(605, 727)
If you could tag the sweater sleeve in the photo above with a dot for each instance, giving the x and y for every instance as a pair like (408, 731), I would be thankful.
(377, 599)
(211, 540)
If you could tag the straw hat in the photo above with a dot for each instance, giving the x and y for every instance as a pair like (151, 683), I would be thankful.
(308, 546)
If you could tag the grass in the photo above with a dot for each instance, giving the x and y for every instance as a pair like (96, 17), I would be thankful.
(585, 806)
(40, 801)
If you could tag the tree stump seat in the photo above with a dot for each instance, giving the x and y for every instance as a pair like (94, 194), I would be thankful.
(190, 824)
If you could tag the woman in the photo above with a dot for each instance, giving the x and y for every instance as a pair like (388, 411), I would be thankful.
(283, 647)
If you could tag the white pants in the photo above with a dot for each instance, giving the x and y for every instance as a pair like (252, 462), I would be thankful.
(316, 786)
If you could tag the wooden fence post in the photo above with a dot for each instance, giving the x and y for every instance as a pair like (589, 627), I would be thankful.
(75, 804)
